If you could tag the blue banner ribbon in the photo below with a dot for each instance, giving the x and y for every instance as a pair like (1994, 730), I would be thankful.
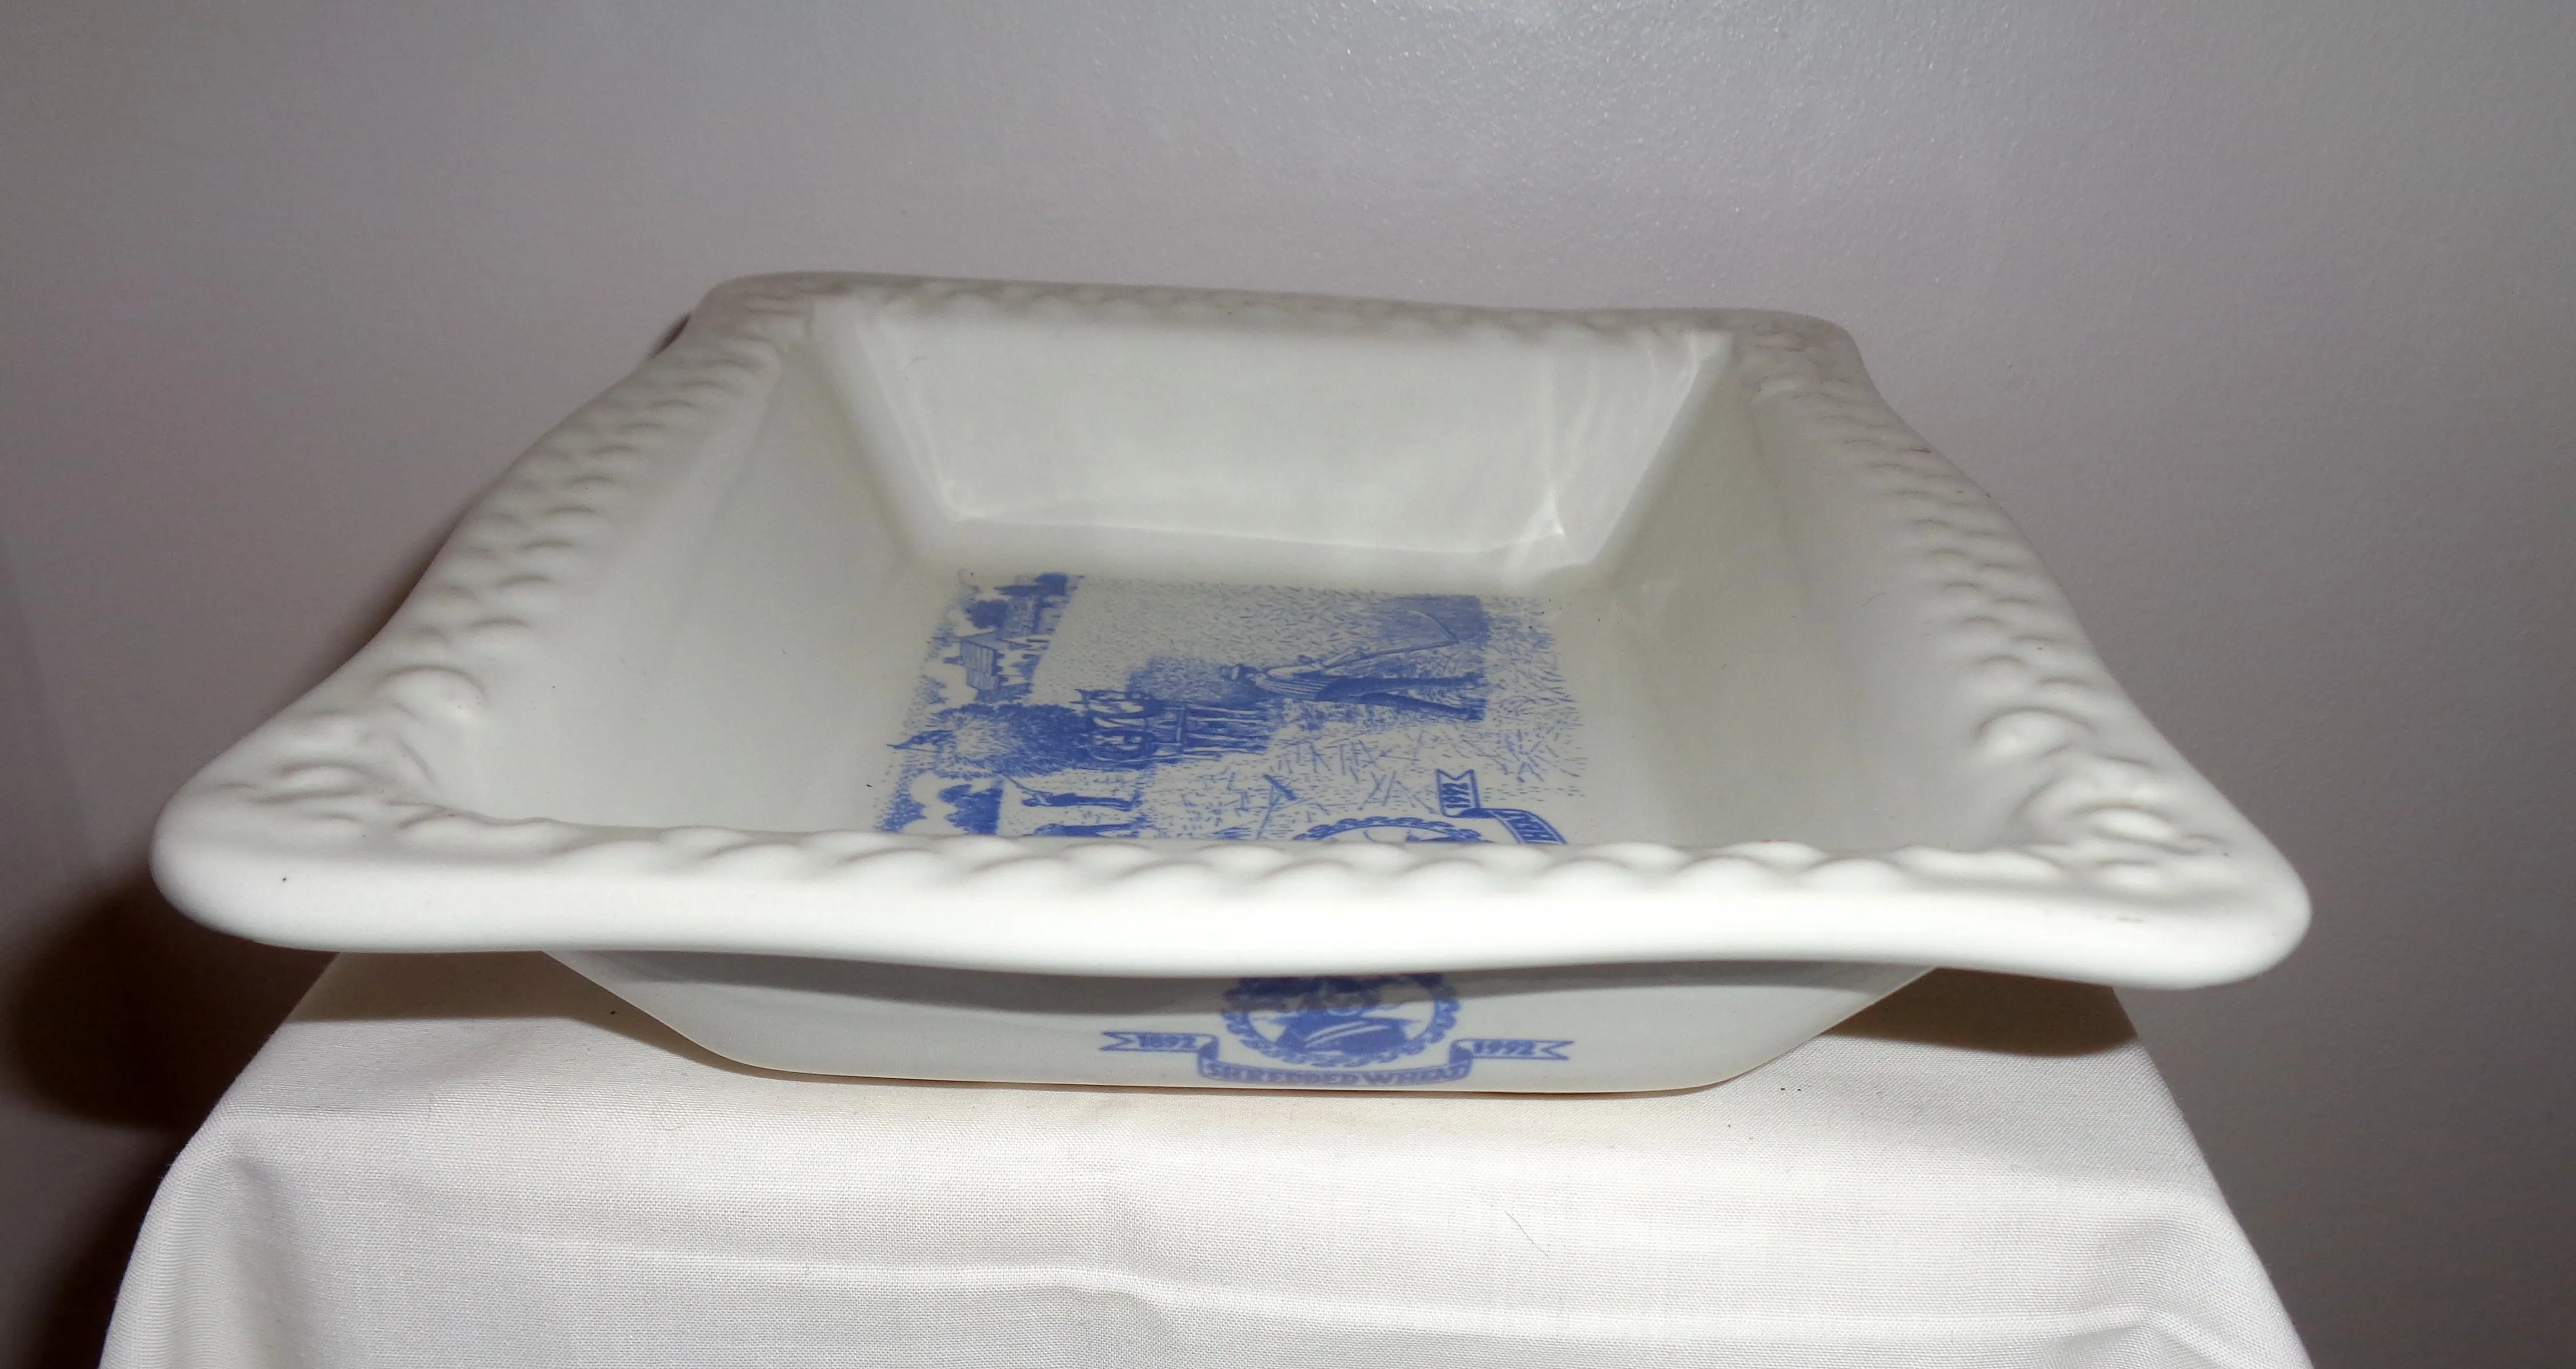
(1459, 799)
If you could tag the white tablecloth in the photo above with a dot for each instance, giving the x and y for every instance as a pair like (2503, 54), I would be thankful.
(482, 1160)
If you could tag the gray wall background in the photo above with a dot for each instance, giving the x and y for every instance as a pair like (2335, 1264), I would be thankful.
(2261, 320)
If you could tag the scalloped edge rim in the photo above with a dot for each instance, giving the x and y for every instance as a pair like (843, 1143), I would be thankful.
(2135, 871)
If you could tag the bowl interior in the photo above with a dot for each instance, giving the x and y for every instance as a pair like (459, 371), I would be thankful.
(1068, 572)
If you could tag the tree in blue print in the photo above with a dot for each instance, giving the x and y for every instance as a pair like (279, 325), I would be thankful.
(978, 741)
(974, 809)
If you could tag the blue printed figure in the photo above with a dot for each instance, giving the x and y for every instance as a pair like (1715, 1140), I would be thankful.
(1333, 680)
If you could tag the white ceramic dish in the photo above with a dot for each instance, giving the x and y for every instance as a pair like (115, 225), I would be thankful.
(960, 680)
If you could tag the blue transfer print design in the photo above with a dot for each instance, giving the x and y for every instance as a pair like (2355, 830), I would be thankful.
(1333, 1029)
(1058, 706)
(1341, 1020)
(1459, 799)
(1406, 828)
(974, 808)
(1015, 623)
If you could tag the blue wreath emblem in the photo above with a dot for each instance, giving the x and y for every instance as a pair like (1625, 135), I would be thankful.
(1341, 1021)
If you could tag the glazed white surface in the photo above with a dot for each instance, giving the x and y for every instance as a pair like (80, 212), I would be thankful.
(1587, 1029)
(1903, 748)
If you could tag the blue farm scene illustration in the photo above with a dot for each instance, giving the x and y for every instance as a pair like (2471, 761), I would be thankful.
(1065, 706)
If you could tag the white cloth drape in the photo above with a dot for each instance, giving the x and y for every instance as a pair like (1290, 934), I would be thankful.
(460, 1161)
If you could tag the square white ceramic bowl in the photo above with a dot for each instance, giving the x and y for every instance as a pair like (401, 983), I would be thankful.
(961, 680)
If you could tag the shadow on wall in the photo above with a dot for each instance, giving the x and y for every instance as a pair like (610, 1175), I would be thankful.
(132, 1015)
